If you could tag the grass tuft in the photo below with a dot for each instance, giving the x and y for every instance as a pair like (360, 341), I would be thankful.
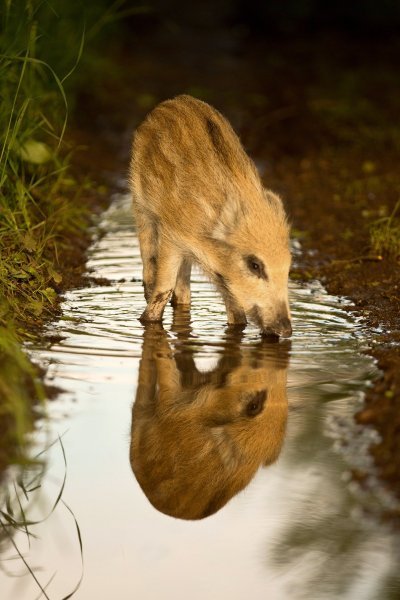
(41, 44)
(385, 234)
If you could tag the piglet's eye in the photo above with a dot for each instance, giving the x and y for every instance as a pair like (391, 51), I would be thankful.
(256, 266)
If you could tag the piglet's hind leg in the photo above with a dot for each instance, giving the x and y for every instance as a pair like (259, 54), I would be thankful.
(181, 293)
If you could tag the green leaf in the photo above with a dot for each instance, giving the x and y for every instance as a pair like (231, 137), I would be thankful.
(20, 275)
(56, 277)
(29, 242)
(50, 294)
(36, 307)
(35, 152)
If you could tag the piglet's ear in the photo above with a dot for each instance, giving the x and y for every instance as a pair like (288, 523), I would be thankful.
(273, 200)
(227, 221)
(220, 248)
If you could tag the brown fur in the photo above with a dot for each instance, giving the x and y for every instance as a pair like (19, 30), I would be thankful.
(198, 197)
(198, 438)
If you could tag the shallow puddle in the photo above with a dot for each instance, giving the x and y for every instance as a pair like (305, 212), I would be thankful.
(232, 479)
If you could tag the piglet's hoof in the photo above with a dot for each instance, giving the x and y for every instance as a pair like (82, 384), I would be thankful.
(147, 317)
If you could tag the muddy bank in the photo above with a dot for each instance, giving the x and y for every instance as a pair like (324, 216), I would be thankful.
(349, 267)
(319, 117)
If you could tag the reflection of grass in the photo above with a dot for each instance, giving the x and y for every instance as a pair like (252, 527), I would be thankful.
(18, 384)
(14, 519)
(385, 234)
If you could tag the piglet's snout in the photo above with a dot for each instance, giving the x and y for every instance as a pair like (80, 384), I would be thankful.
(281, 328)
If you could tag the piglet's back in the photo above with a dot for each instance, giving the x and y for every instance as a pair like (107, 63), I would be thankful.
(187, 161)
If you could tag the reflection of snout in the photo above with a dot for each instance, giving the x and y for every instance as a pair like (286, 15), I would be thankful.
(282, 328)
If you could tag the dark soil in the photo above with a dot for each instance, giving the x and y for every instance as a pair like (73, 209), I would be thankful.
(320, 117)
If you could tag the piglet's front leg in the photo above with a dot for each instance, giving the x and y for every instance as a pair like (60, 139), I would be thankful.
(168, 262)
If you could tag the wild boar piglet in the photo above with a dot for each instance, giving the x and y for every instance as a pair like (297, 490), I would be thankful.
(197, 197)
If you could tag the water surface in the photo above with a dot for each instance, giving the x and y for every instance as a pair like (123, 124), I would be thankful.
(228, 477)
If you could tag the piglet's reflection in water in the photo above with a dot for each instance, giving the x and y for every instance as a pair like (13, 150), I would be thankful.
(199, 438)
